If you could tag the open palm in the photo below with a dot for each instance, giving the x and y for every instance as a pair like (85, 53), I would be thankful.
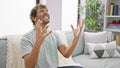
(41, 32)
(77, 31)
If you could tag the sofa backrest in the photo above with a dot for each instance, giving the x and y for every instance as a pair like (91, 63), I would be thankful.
(14, 41)
(80, 45)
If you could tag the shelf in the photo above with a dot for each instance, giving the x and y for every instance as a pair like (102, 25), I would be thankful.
(113, 16)
(113, 30)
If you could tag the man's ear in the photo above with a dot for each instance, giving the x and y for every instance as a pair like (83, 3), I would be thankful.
(33, 18)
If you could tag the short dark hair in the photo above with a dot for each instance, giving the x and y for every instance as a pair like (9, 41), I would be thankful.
(33, 12)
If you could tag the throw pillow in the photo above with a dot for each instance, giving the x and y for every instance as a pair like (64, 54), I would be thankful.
(102, 50)
(94, 37)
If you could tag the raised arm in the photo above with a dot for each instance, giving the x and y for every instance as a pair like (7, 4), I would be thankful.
(67, 51)
(31, 58)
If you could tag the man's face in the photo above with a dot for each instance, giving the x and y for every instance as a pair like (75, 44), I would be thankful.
(43, 15)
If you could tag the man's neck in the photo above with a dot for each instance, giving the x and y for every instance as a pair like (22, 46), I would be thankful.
(44, 26)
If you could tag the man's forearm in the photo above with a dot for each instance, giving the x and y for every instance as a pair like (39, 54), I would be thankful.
(31, 59)
(71, 48)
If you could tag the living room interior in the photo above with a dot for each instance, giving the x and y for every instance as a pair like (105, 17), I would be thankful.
(99, 43)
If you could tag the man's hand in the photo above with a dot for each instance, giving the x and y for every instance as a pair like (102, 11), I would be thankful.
(67, 51)
(77, 31)
(41, 32)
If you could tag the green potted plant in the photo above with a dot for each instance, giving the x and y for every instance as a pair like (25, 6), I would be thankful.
(94, 15)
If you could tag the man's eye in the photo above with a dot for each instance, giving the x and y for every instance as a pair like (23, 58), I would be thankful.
(41, 11)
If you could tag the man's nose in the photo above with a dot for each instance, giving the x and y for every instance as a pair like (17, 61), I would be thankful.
(45, 11)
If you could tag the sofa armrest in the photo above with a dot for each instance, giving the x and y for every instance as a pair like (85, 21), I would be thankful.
(3, 52)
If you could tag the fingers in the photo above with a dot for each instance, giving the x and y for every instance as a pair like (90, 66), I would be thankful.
(48, 33)
(38, 25)
(78, 22)
(45, 28)
(78, 30)
(41, 31)
(73, 29)
(80, 26)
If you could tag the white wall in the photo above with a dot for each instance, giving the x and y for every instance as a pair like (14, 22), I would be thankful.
(63, 13)
(69, 14)
(14, 16)
(55, 10)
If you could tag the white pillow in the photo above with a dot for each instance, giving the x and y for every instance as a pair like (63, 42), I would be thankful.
(94, 37)
(102, 50)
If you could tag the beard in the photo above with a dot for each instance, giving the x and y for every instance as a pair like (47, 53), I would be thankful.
(45, 22)
(44, 18)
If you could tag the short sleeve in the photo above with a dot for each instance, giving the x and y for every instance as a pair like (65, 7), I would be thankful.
(26, 45)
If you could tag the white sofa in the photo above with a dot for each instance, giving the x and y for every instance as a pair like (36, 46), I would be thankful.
(78, 55)
(84, 59)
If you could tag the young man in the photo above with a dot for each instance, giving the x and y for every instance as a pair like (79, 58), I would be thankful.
(39, 46)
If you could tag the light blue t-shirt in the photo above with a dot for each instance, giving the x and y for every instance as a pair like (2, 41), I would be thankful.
(48, 56)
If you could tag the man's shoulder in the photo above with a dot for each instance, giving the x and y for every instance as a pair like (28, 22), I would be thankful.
(57, 31)
(29, 34)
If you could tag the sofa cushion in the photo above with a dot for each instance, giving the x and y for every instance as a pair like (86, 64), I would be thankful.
(101, 50)
(80, 45)
(3, 52)
(97, 63)
(70, 67)
(94, 37)
(63, 62)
